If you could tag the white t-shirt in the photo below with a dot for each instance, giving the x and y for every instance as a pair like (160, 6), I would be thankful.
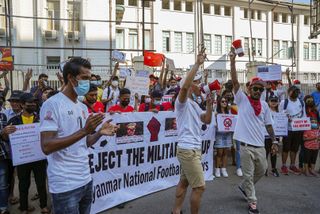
(68, 169)
(115, 92)
(189, 124)
(294, 110)
(250, 128)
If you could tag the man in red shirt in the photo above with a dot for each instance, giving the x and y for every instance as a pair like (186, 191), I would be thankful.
(91, 102)
(123, 106)
(156, 105)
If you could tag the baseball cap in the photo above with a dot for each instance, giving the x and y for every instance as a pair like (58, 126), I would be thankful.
(28, 97)
(273, 97)
(257, 81)
(296, 82)
(15, 95)
(197, 77)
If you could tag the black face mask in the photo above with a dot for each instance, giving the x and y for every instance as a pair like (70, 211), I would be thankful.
(125, 102)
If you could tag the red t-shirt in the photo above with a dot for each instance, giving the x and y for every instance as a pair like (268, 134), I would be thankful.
(166, 107)
(311, 139)
(97, 107)
(118, 108)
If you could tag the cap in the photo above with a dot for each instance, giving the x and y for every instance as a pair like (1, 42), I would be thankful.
(28, 97)
(15, 95)
(296, 82)
(293, 88)
(257, 81)
(197, 77)
(273, 97)
(156, 94)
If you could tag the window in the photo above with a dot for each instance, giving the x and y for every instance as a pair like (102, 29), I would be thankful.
(259, 47)
(245, 13)
(190, 41)
(305, 76)
(74, 13)
(228, 41)
(146, 3)
(253, 14)
(217, 9)
(275, 17)
(206, 8)
(166, 4)
(166, 41)
(306, 20)
(227, 11)
(133, 3)
(2, 18)
(284, 18)
(313, 76)
(189, 6)
(259, 15)
(53, 12)
(133, 39)
(313, 51)
(306, 51)
(217, 45)
(276, 49)
(178, 42)
(207, 42)
(292, 50)
(254, 53)
(285, 48)
(53, 62)
(177, 5)
(294, 19)
(119, 38)
(319, 51)
(120, 2)
(147, 40)
(246, 46)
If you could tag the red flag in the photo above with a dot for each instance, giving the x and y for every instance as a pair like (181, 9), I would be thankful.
(153, 59)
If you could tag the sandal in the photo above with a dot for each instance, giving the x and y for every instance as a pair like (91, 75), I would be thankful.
(13, 200)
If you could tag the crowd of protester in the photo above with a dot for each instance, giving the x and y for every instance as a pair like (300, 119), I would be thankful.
(112, 96)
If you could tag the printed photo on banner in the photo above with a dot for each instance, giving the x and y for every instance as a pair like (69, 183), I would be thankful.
(130, 132)
(300, 124)
(171, 127)
(226, 122)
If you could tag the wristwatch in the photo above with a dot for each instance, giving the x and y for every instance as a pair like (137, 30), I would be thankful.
(275, 142)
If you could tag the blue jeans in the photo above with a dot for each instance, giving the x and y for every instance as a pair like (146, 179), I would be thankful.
(4, 184)
(77, 201)
(238, 160)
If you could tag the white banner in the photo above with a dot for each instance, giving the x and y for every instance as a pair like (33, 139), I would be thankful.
(270, 73)
(226, 122)
(140, 159)
(25, 144)
(138, 85)
(300, 124)
(280, 124)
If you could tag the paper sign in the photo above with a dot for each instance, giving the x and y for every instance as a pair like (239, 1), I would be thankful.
(300, 124)
(118, 56)
(142, 73)
(280, 124)
(270, 73)
(138, 85)
(167, 98)
(6, 63)
(226, 122)
(25, 144)
(170, 64)
(124, 72)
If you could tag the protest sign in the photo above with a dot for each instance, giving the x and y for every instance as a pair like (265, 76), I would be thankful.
(270, 73)
(6, 59)
(124, 170)
(280, 124)
(124, 72)
(118, 56)
(138, 85)
(226, 122)
(142, 73)
(170, 64)
(166, 98)
(300, 124)
(25, 144)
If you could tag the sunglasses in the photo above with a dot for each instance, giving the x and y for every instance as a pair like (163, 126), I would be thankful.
(224, 101)
(274, 100)
(256, 89)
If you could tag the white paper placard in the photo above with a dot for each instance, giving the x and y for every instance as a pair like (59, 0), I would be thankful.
(138, 85)
(170, 63)
(124, 72)
(270, 73)
(280, 124)
(118, 56)
(300, 124)
(226, 122)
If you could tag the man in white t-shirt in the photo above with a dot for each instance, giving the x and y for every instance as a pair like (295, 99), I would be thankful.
(111, 93)
(190, 118)
(293, 107)
(253, 115)
(66, 132)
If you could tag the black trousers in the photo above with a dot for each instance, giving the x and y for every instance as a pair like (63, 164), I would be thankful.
(24, 175)
(268, 145)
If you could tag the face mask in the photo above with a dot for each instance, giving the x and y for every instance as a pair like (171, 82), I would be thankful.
(147, 100)
(45, 83)
(125, 102)
(157, 102)
(298, 86)
(82, 88)
(314, 126)
(173, 87)
(115, 83)
(95, 82)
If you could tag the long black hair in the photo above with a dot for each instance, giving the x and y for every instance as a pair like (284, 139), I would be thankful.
(219, 107)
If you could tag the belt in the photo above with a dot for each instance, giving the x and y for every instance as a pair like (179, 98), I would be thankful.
(244, 144)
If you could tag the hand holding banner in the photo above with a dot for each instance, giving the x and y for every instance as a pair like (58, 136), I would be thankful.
(300, 124)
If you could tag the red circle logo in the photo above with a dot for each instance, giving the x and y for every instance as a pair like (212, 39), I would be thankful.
(227, 122)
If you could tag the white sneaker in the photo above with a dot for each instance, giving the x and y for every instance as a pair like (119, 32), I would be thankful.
(217, 173)
(239, 172)
(224, 172)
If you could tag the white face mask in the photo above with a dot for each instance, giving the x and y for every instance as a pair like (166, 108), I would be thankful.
(147, 100)
(115, 83)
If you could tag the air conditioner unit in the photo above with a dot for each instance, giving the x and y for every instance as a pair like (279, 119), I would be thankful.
(73, 35)
(50, 34)
(2, 32)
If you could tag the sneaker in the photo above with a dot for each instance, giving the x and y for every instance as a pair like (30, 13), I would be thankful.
(275, 172)
(224, 172)
(284, 170)
(243, 192)
(295, 170)
(253, 208)
(239, 172)
(217, 173)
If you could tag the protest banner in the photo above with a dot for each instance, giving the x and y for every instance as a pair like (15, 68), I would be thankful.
(300, 124)
(167, 98)
(124, 72)
(226, 122)
(6, 59)
(280, 124)
(138, 85)
(118, 56)
(140, 159)
(270, 73)
(170, 64)
(25, 144)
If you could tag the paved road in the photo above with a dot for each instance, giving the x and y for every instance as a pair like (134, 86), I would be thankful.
(287, 194)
